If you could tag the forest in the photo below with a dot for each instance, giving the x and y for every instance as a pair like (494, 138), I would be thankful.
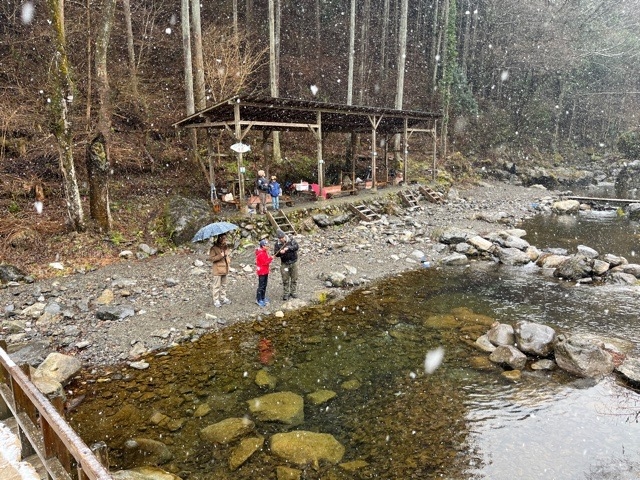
(545, 79)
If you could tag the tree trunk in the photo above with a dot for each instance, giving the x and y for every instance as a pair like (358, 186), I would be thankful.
(402, 54)
(383, 43)
(200, 94)
(274, 38)
(186, 51)
(98, 171)
(131, 52)
(352, 46)
(364, 33)
(99, 184)
(89, 76)
(62, 96)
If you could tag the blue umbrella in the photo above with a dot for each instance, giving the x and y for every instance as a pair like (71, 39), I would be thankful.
(212, 230)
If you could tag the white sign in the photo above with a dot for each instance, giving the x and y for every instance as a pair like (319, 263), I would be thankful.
(240, 147)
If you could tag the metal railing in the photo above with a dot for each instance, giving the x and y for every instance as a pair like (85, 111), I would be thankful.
(43, 430)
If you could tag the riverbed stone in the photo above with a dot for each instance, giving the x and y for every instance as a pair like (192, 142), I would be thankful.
(242, 453)
(144, 473)
(145, 451)
(534, 338)
(307, 448)
(288, 473)
(512, 256)
(227, 430)
(511, 241)
(501, 334)
(320, 396)
(480, 243)
(452, 236)
(484, 344)
(455, 259)
(633, 211)
(582, 356)
(550, 260)
(510, 356)
(544, 364)
(600, 267)
(587, 251)
(614, 260)
(283, 407)
(265, 380)
(566, 206)
(631, 268)
(620, 278)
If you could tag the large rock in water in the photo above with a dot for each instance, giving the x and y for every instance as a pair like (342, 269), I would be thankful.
(144, 473)
(534, 338)
(283, 407)
(510, 356)
(574, 268)
(227, 430)
(566, 206)
(628, 179)
(185, 216)
(583, 356)
(304, 448)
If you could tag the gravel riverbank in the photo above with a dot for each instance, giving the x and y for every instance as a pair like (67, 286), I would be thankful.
(165, 300)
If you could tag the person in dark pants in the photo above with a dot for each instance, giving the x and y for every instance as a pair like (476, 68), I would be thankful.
(287, 249)
(263, 260)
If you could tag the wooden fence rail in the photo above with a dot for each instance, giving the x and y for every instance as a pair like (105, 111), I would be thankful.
(43, 430)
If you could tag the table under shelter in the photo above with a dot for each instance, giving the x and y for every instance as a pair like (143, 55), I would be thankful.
(239, 115)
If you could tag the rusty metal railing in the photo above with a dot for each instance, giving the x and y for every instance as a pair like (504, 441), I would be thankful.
(43, 430)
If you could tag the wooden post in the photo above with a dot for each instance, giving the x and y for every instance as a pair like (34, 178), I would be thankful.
(405, 139)
(374, 153)
(320, 160)
(435, 141)
(238, 135)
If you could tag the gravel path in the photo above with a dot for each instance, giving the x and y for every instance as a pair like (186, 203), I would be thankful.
(169, 294)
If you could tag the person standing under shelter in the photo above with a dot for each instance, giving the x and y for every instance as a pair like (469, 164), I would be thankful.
(262, 186)
(274, 191)
(287, 249)
(220, 256)
(263, 261)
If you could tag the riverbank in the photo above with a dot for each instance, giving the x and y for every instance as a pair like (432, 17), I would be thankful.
(129, 308)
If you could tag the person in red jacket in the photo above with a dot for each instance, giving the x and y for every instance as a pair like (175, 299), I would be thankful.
(263, 260)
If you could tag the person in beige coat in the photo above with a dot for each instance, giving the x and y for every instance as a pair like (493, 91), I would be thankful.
(220, 256)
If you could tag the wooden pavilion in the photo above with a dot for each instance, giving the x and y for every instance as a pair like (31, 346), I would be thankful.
(240, 114)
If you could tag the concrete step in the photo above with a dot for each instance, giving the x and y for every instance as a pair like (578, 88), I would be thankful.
(12, 466)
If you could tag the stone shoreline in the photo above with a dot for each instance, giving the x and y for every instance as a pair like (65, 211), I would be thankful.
(164, 300)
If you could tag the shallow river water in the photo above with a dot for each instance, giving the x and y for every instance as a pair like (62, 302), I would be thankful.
(463, 421)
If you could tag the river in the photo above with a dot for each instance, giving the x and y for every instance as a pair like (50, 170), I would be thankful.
(463, 421)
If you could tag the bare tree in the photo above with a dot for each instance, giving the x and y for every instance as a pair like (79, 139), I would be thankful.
(230, 61)
(198, 62)
(62, 98)
(98, 158)
(274, 67)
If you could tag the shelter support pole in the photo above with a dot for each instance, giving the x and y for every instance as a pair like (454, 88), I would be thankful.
(320, 160)
(374, 153)
(375, 121)
(238, 135)
(435, 141)
(405, 139)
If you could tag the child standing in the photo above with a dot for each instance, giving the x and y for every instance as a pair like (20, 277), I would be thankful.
(274, 191)
(263, 260)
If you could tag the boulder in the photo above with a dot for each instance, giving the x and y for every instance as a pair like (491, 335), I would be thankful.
(484, 344)
(114, 313)
(480, 243)
(453, 236)
(599, 267)
(512, 256)
(33, 354)
(587, 251)
(574, 268)
(550, 260)
(510, 356)
(620, 278)
(58, 367)
(632, 269)
(455, 259)
(183, 217)
(630, 369)
(9, 273)
(307, 448)
(501, 334)
(583, 356)
(633, 211)
(534, 338)
(511, 241)
(283, 407)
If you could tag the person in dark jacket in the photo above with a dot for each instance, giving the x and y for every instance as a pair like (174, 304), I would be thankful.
(262, 188)
(275, 191)
(287, 249)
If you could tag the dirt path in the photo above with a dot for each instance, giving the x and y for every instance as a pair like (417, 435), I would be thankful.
(169, 299)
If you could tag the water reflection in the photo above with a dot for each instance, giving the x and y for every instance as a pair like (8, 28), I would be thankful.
(464, 421)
